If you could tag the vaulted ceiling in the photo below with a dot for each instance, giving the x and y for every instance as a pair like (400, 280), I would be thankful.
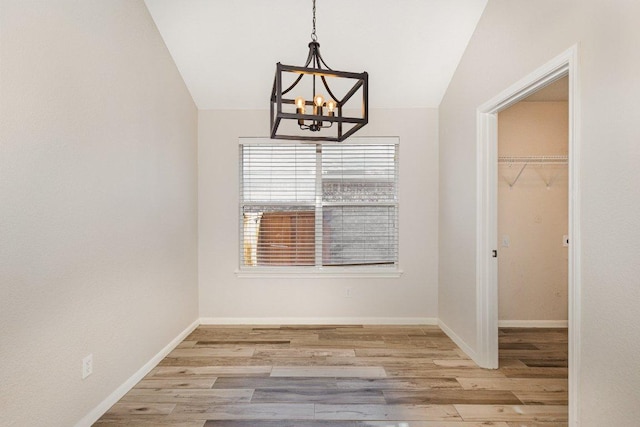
(226, 50)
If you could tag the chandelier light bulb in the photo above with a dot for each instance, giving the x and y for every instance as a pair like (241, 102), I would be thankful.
(300, 103)
(331, 105)
(318, 100)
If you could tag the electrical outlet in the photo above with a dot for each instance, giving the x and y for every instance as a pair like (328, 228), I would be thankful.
(506, 241)
(348, 292)
(87, 366)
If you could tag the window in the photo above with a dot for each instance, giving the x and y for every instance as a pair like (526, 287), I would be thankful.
(318, 205)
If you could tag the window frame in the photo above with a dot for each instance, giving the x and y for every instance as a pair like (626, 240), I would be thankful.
(320, 271)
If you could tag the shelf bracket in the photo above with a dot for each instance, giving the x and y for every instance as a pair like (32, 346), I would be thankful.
(551, 180)
(511, 184)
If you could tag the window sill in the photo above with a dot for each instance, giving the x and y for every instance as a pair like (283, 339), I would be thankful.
(318, 273)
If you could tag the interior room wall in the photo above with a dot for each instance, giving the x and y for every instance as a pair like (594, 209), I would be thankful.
(408, 299)
(98, 211)
(514, 38)
(533, 217)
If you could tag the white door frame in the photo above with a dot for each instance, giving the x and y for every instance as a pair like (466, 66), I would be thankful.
(565, 64)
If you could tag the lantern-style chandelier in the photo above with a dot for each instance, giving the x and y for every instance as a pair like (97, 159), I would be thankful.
(310, 104)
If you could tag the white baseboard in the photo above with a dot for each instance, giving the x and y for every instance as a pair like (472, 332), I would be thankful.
(318, 321)
(459, 341)
(117, 394)
(533, 323)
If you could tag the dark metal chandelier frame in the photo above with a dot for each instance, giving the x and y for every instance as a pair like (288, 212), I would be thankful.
(327, 112)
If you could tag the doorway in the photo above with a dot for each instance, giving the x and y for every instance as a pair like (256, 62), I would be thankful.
(533, 210)
(564, 65)
(533, 238)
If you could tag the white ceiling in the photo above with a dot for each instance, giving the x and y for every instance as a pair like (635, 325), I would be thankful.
(226, 50)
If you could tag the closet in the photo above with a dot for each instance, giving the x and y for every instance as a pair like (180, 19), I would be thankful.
(533, 210)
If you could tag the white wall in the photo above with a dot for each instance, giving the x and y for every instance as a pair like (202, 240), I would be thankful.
(512, 39)
(225, 297)
(533, 268)
(98, 217)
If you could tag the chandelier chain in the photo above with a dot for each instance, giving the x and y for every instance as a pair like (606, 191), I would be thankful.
(314, 37)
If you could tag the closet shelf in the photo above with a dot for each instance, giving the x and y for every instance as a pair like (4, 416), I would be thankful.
(533, 160)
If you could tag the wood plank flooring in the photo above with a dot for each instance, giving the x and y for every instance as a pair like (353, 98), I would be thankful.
(349, 376)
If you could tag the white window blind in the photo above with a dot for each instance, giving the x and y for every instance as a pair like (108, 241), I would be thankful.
(318, 205)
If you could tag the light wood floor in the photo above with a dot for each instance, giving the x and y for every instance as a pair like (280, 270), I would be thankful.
(349, 376)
